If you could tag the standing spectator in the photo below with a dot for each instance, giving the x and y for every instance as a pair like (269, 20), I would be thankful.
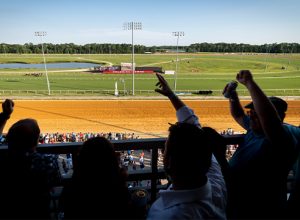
(142, 154)
(134, 165)
(130, 157)
(7, 109)
(257, 171)
(64, 166)
(27, 177)
(69, 161)
(294, 198)
(198, 190)
(142, 164)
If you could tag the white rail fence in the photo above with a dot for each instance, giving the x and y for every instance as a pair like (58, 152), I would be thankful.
(278, 92)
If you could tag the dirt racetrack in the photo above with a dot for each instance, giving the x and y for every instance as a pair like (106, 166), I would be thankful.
(146, 118)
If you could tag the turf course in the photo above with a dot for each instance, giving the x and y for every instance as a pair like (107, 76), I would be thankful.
(277, 74)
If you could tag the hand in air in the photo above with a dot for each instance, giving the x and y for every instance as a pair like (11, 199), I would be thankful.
(164, 88)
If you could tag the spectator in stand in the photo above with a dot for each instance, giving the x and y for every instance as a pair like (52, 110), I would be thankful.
(294, 198)
(64, 166)
(69, 161)
(257, 172)
(142, 164)
(50, 138)
(27, 177)
(98, 187)
(198, 189)
(7, 109)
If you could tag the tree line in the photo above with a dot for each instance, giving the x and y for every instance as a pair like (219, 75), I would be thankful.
(70, 48)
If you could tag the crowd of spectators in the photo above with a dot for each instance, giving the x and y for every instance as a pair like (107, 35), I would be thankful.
(51, 138)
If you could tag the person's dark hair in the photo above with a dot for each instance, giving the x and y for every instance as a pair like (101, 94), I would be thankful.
(215, 138)
(97, 153)
(23, 136)
(97, 177)
(188, 150)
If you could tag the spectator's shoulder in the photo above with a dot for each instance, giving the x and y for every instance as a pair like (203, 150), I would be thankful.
(292, 129)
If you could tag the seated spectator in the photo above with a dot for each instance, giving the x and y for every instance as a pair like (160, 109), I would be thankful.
(98, 186)
(27, 177)
(198, 189)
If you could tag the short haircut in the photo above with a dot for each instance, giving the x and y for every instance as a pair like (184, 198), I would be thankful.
(189, 149)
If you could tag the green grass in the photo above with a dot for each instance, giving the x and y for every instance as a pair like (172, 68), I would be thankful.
(195, 72)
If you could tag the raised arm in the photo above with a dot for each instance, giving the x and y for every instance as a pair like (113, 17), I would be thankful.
(165, 90)
(7, 109)
(183, 112)
(266, 112)
(236, 108)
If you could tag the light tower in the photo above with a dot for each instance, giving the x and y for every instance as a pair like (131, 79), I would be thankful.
(41, 34)
(177, 34)
(132, 26)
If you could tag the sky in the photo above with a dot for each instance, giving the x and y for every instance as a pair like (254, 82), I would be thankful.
(98, 21)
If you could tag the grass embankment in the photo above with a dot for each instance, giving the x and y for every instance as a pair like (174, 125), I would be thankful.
(195, 72)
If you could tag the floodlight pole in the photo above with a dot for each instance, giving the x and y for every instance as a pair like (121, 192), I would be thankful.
(177, 34)
(291, 51)
(132, 26)
(41, 34)
(3, 46)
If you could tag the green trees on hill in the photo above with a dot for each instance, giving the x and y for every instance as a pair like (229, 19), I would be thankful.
(70, 48)
(245, 48)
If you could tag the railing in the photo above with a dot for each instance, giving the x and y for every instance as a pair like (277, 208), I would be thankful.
(107, 92)
(152, 144)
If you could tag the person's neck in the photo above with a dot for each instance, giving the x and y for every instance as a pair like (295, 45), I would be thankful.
(189, 184)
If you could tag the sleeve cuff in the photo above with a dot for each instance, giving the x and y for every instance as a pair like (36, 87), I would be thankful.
(187, 115)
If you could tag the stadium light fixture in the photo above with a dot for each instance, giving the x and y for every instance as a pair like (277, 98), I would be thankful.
(177, 34)
(132, 26)
(41, 34)
(268, 53)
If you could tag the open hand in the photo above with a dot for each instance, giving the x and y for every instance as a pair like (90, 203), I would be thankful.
(164, 88)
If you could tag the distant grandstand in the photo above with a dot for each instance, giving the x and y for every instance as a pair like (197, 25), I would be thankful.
(126, 68)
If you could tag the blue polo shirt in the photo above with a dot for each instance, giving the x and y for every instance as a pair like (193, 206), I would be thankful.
(258, 174)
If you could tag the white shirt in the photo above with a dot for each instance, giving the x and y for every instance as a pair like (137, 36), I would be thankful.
(208, 201)
(187, 115)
